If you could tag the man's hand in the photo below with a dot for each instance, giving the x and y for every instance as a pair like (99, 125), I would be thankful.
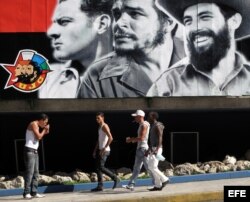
(147, 153)
(128, 139)
(102, 152)
(47, 129)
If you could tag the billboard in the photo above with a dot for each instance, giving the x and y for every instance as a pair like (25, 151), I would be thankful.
(117, 49)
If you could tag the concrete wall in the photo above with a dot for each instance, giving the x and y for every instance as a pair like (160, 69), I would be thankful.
(75, 105)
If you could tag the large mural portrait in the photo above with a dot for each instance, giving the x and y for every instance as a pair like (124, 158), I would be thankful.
(124, 48)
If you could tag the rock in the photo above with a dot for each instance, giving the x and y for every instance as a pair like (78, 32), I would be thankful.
(212, 170)
(63, 174)
(106, 178)
(169, 172)
(229, 160)
(226, 168)
(206, 168)
(187, 169)
(142, 174)
(3, 178)
(80, 176)
(18, 182)
(211, 166)
(93, 177)
(213, 163)
(62, 179)
(127, 177)
(124, 171)
(45, 180)
(242, 165)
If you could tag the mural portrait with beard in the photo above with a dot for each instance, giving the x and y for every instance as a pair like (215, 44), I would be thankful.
(213, 66)
(145, 46)
(205, 58)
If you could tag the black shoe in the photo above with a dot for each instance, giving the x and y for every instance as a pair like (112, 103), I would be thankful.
(155, 189)
(164, 184)
(116, 182)
(97, 189)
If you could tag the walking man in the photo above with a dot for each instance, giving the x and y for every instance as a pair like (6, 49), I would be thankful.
(101, 153)
(155, 150)
(142, 147)
(31, 158)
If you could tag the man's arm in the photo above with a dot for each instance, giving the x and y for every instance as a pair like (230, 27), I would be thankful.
(159, 132)
(35, 128)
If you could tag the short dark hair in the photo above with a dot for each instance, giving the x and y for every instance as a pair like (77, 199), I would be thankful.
(93, 7)
(42, 116)
(100, 114)
(155, 115)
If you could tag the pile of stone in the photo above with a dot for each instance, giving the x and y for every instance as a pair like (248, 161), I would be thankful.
(230, 163)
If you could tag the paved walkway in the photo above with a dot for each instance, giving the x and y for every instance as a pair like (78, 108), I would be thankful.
(211, 191)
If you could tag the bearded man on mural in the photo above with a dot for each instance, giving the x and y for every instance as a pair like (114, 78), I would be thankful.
(80, 33)
(145, 47)
(213, 66)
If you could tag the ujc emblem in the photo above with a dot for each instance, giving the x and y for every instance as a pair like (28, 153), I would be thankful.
(29, 71)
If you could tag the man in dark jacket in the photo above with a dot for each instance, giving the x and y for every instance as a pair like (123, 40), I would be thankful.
(144, 48)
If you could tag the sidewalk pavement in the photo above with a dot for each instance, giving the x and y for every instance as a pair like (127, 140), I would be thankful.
(201, 191)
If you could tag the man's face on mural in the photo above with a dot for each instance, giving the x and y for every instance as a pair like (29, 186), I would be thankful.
(18, 70)
(207, 35)
(136, 25)
(29, 70)
(71, 31)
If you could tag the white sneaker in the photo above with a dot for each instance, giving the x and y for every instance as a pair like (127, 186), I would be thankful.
(27, 196)
(39, 196)
(130, 187)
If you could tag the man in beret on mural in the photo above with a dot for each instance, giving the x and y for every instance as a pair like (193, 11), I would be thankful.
(145, 47)
(213, 66)
(80, 33)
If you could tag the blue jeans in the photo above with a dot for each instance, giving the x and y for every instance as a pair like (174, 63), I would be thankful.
(100, 168)
(31, 161)
(140, 160)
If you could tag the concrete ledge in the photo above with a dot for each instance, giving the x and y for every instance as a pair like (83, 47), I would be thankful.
(139, 182)
(112, 104)
(194, 197)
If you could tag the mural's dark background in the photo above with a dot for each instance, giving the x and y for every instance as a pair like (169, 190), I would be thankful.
(73, 136)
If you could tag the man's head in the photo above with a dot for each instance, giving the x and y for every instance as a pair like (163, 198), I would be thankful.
(43, 120)
(152, 117)
(211, 27)
(32, 71)
(138, 116)
(210, 33)
(99, 117)
(21, 67)
(76, 25)
(139, 26)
